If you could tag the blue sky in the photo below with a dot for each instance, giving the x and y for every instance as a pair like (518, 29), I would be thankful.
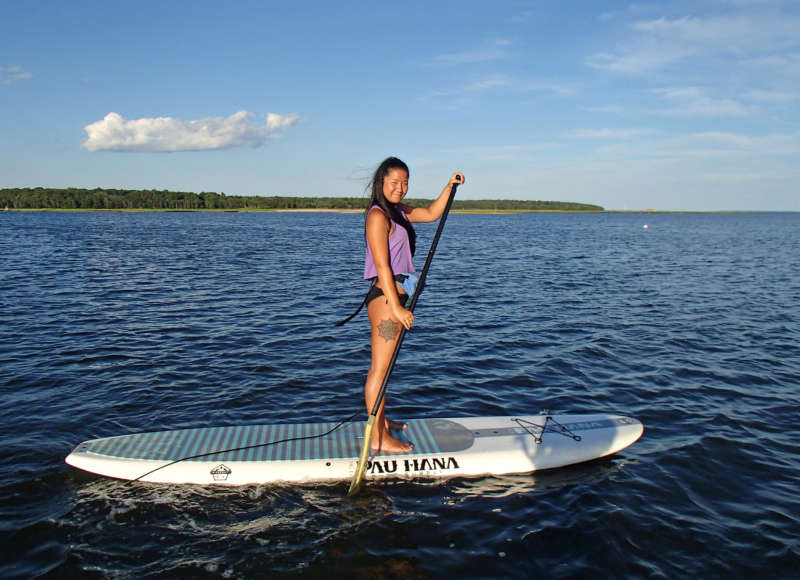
(664, 105)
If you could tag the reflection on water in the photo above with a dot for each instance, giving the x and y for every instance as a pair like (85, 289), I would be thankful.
(506, 485)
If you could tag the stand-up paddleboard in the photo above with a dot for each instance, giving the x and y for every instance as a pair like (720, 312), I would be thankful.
(327, 452)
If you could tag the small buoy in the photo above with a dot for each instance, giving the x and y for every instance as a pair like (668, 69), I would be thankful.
(644, 226)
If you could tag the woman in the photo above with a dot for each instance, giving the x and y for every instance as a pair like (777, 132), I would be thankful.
(391, 242)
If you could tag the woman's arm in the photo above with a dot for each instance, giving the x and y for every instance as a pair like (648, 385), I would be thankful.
(378, 239)
(435, 210)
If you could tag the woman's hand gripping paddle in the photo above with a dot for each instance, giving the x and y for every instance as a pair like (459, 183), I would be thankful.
(358, 476)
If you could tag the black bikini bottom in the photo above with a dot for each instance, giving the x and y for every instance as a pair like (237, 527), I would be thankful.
(375, 292)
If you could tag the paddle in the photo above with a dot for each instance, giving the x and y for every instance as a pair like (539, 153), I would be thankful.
(358, 476)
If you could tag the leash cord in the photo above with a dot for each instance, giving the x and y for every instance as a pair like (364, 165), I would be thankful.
(246, 447)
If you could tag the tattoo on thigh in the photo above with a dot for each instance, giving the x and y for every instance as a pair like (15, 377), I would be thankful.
(388, 329)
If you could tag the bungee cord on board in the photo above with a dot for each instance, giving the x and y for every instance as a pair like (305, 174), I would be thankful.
(540, 429)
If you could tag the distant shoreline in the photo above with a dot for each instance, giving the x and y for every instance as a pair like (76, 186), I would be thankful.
(124, 199)
(360, 211)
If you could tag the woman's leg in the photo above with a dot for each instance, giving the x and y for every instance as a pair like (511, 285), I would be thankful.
(385, 333)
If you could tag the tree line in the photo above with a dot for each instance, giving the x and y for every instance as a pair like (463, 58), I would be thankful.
(121, 199)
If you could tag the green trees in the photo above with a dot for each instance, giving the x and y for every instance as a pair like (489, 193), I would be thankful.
(123, 199)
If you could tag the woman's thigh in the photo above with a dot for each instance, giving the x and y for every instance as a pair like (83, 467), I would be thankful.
(385, 331)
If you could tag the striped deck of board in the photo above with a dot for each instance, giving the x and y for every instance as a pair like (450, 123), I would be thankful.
(252, 443)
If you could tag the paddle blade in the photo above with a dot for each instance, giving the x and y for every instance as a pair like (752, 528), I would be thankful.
(358, 476)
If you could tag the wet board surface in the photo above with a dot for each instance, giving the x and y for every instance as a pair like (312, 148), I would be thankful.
(443, 447)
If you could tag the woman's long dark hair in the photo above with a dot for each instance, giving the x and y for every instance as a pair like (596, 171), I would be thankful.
(390, 210)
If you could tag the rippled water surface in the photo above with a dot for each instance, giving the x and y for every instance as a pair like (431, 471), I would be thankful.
(115, 323)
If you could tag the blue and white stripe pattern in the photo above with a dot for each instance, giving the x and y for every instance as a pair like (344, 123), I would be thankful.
(252, 442)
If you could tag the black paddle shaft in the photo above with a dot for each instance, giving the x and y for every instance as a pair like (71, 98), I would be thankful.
(414, 298)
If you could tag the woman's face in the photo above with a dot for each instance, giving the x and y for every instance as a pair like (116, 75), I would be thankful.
(395, 185)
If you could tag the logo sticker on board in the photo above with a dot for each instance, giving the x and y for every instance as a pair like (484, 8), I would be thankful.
(221, 472)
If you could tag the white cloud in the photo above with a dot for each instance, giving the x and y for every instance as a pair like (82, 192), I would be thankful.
(276, 122)
(605, 109)
(638, 60)
(10, 74)
(609, 133)
(657, 44)
(522, 17)
(500, 152)
(700, 171)
(693, 102)
(771, 96)
(739, 35)
(777, 145)
(563, 90)
(499, 82)
(494, 51)
(169, 134)
(784, 63)
(711, 145)
(492, 82)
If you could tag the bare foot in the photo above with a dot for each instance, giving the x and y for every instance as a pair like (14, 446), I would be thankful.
(385, 443)
(396, 425)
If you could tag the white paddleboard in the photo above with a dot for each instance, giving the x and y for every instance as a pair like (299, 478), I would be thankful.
(445, 447)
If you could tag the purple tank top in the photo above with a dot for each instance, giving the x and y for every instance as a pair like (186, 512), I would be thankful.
(399, 254)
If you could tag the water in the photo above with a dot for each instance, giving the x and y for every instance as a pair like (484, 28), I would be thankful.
(115, 323)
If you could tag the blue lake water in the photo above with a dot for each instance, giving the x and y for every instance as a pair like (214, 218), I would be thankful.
(115, 323)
